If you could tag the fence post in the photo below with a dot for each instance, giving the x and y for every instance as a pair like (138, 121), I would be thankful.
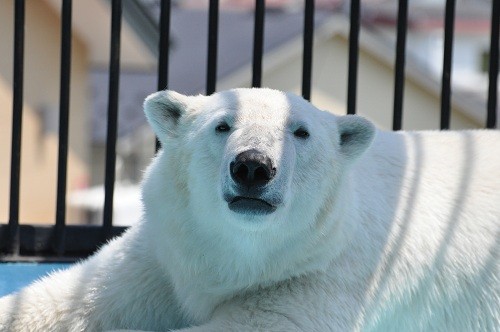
(449, 21)
(213, 27)
(491, 121)
(353, 56)
(114, 80)
(17, 117)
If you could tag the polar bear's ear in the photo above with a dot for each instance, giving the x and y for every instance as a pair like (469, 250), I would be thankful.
(356, 135)
(163, 110)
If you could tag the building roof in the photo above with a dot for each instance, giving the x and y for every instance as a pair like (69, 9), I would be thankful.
(470, 15)
(187, 70)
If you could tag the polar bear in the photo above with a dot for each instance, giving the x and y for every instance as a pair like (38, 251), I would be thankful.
(264, 213)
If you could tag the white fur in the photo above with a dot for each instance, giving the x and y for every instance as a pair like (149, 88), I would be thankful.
(398, 234)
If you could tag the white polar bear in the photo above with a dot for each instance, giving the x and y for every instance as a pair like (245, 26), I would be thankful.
(263, 213)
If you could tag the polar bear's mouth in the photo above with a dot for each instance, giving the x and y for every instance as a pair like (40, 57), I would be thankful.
(241, 204)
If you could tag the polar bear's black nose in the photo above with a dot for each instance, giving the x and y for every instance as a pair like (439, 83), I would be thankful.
(252, 168)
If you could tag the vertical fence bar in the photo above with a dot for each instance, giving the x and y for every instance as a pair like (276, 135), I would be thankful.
(163, 46)
(114, 80)
(213, 27)
(353, 56)
(17, 117)
(491, 121)
(399, 79)
(163, 50)
(449, 20)
(64, 97)
(308, 49)
(258, 43)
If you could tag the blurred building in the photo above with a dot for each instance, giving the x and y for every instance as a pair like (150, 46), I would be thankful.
(90, 48)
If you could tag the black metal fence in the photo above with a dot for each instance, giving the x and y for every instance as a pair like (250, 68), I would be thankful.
(61, 242)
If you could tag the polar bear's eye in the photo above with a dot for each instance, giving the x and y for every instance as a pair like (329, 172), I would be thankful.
(301, 133)
(222, 127)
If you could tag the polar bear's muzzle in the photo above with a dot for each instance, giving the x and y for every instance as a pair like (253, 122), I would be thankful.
(251, 171)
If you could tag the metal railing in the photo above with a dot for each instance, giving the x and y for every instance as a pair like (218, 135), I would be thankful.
(68, 242)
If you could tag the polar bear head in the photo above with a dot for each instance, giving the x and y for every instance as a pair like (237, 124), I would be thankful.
(250, 168)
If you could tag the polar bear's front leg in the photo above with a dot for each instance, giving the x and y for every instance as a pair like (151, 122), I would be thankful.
(249, 315)
(298, 304)
(241, 320)
(263, 321)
